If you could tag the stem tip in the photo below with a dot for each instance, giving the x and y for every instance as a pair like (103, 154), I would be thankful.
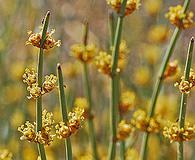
(58, 66)
(192, 40)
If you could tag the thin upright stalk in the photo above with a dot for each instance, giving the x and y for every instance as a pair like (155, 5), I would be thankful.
(158, 85)
(87, 87)
(184, 96)
(40, 79)
(114, 82)
(63, 106)
(111, 28)
(112, 31)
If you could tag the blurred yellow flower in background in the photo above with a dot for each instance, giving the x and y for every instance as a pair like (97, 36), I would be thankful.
(84, 53)
(153, 6)
(158, 33)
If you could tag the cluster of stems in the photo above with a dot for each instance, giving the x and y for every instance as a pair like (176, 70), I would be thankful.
(158, 85)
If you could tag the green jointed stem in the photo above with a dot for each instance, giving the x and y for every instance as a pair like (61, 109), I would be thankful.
(115, 82)
(112, 31)
(40, 79)
(184, 96)
(158, 85)
(111, 28)
(87, 87)
(64, 112)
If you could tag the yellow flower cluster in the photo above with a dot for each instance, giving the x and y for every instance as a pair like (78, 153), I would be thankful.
(83, 53)
(171, 69)
(103, 61)
(49, 84)
(127, 101)
(186, 86)
(35, 40)
(174, 133)
(30, 78)
(5, 155)
(124, 130)
(131, 6)
(177, 17)
(43, 136)
(83, 103)
(73, 124)
(143, 123)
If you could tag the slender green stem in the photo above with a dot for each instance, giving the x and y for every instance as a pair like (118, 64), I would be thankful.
(115, 82)
(111, 28)
(184, 96)
(158, 85)
(122, 150)
(87, 88)
(63, 106)
(40, 79)
(112, 31)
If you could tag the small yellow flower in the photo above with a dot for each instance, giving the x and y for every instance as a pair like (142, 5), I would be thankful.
(186, 86)
(103, 63)
(177, 17)
(28, 131)
(5, 155)
(73, 124)
(62, 130)
(34, 90)
(143, 123)
(127, 101)
(84, 53)
(131, 6)
(124, 130)
(83, 103)
(49, 84)
(174, 133)
(35, 40)
(123, 49)
(75, 119)
(29, 76)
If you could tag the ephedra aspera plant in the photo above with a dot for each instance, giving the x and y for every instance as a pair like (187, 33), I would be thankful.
(131, 122)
